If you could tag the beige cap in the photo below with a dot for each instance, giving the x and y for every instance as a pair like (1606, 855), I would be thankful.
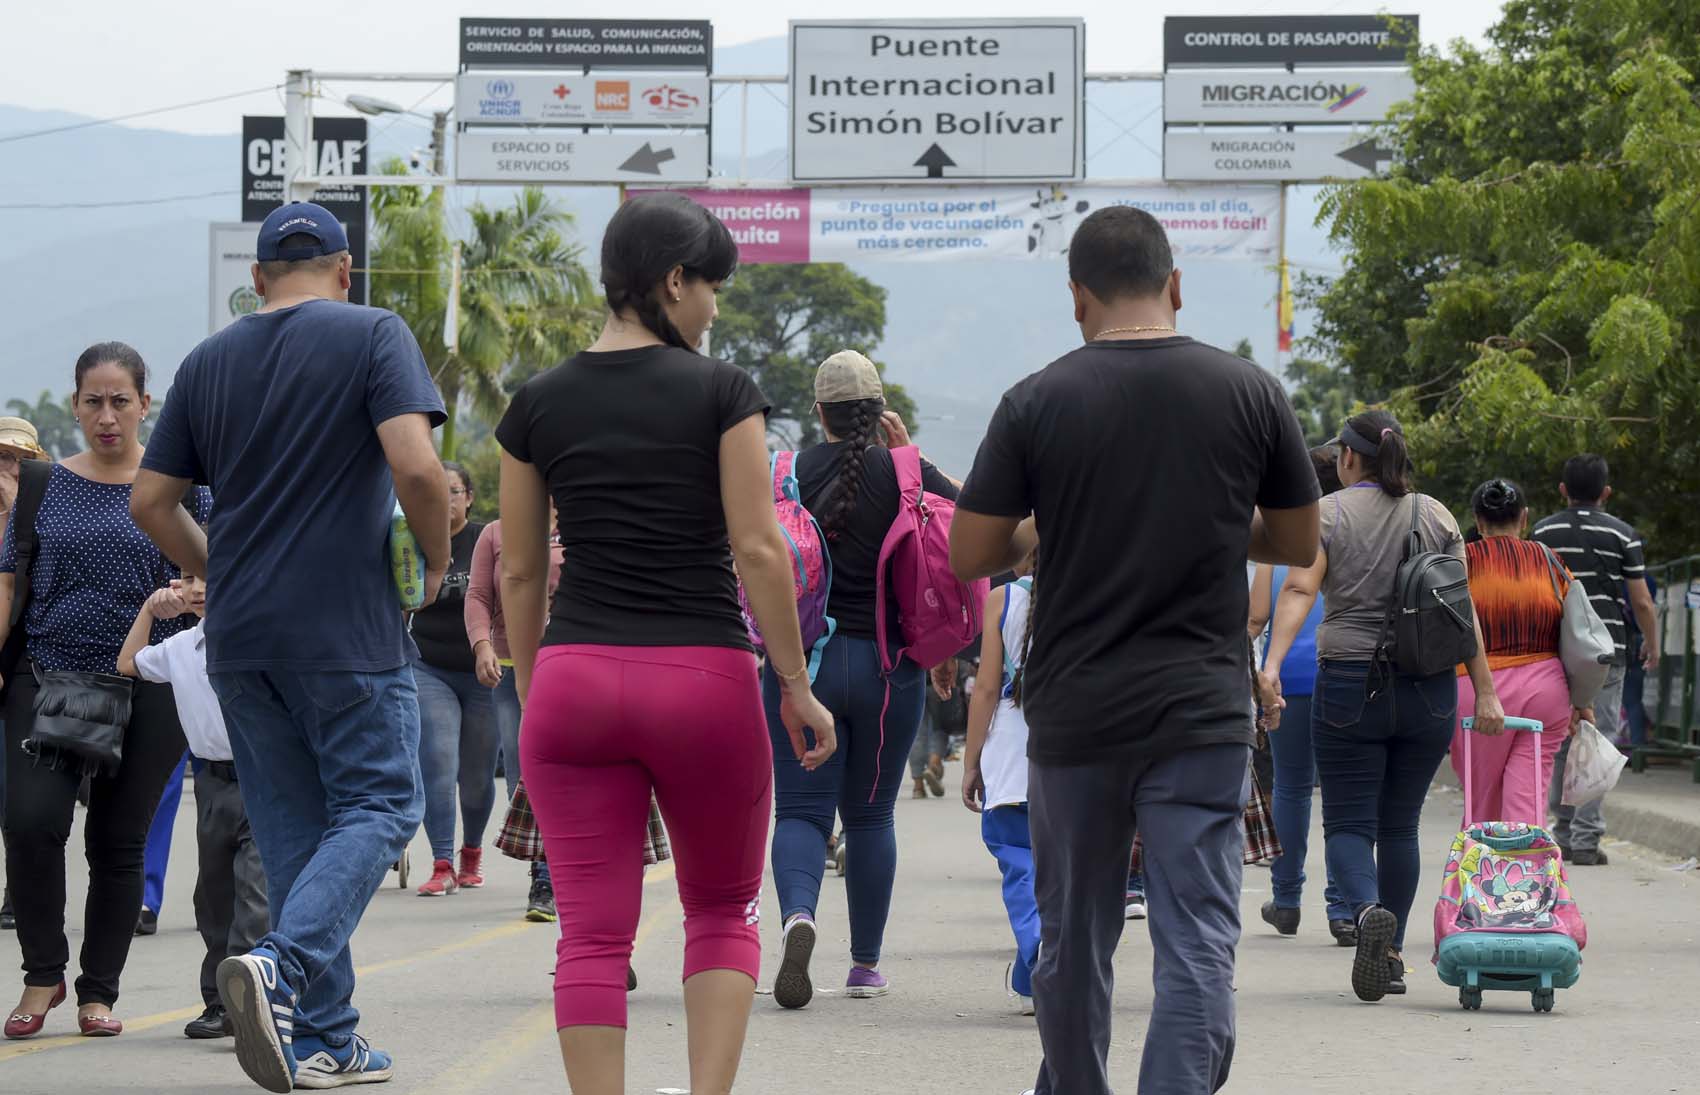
(845, 376)
(18, 436)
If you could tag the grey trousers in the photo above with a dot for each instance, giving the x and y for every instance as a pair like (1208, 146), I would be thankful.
(1579, 828)
(230, 891)
(1188, 809)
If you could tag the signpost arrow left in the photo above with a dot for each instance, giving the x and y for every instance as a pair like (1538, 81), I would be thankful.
(1368, 155)
(935, 160)
(647, 160)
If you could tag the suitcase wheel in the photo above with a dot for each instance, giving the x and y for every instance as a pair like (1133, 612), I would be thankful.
(1470, 999)
(403, 868)
(1543, 999)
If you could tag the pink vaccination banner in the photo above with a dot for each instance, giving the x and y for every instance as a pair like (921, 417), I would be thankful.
(768, 225)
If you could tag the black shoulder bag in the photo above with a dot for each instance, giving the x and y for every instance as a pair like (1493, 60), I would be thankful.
(1431, 622)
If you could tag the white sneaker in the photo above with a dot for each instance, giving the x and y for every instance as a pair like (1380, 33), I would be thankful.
(1025, 1003)
(1027, 1007)
(1135, 906)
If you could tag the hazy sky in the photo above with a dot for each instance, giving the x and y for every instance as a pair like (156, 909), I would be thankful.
(107, 57)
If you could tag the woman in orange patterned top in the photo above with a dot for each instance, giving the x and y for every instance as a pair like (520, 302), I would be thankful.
(1512, 581)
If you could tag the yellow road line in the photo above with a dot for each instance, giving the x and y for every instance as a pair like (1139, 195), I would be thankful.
(660, 873)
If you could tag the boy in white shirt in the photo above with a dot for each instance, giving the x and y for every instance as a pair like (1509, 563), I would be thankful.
(230, 891)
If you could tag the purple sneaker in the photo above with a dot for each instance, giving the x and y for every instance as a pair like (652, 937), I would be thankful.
(865, 984)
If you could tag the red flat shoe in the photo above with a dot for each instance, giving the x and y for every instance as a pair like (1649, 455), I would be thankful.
(23, 1025)
(100, 1026)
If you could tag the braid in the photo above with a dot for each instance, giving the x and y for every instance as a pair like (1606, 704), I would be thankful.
(1018, 682)
(864, 421)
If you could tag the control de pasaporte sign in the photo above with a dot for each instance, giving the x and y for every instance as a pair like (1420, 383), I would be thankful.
(910, 100)
(601, 43)
(1287, 39)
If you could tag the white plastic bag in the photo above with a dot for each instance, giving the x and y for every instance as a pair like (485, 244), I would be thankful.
(1593, 766)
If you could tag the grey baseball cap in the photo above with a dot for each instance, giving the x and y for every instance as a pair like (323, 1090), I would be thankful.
(845, 376)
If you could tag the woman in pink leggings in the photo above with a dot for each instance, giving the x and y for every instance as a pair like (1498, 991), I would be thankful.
(656, 459)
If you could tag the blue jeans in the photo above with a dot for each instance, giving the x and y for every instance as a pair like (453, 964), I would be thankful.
(157, 857)
(329, 765)
(1295, 787)
(1377, 758)
(457, 748)
(1009, 838)
(506, 699)
(859, 782)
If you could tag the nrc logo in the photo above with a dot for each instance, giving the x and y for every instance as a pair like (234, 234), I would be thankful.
(614, 95)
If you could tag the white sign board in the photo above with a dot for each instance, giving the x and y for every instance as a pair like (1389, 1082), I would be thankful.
(947, 99)
(529, 98)
(1320, 95)
(230, 274)
(546, 156)
(1307, 155)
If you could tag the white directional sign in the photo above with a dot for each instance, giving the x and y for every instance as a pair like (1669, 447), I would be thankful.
(600, 99)
(1308, 155)
(522, 156)
(945, 99)
(1320, 95)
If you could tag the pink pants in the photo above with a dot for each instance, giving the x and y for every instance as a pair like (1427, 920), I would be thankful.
(1504, 784)
(604, 725)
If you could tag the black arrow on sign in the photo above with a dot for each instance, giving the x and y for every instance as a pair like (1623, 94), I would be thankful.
(1368, 155)
(935, 160)
(647, 160)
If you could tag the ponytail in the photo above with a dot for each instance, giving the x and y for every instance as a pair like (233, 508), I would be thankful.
(1018, 682)
(856, 422)
(1377, 437)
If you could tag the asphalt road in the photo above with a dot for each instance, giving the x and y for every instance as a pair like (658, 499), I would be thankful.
(458, 989)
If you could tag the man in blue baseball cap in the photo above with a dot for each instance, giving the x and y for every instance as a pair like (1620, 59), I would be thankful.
(309, 419)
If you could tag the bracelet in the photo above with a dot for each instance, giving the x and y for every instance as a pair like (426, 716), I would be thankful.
(791, 678)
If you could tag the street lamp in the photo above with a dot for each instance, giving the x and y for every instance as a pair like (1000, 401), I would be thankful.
(374, 106)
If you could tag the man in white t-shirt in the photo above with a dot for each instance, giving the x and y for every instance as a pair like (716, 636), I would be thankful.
(230, 891)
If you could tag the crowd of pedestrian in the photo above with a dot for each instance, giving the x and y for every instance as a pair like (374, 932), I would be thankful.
(222, 602)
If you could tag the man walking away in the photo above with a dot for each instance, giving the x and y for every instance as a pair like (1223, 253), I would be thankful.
(1152, 466)
(1607, 556)
(309, 419)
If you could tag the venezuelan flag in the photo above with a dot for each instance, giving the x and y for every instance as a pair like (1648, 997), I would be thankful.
(1284, 314)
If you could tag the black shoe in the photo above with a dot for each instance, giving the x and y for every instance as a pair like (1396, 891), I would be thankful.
(147, 923)
(1395, 975)
(213, 1023)
(631, 979)
(1586, 857)
(8, 921)
(1370, 969)
(1285, 921)
(1345, 932)
(540, 906)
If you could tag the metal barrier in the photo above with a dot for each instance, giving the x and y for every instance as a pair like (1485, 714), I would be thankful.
(1673, 724)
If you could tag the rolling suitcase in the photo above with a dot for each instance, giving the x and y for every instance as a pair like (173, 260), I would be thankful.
(1505, 920)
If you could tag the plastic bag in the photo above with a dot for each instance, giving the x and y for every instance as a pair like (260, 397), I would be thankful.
(1592, 767)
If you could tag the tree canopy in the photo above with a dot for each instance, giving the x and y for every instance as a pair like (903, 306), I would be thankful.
(1525, 284)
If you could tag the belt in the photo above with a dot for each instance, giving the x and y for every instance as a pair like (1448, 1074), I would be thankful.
(223, 769)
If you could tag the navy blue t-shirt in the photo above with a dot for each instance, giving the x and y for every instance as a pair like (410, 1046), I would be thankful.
(278, 413)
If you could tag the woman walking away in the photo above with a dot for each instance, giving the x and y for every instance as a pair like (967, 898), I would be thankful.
(1290, 744)
(994, 767)
(1518, 586)
(457, 718)
(91, 572)
(850, 484)
(487, 631)
(1379, 735)
(657, 462)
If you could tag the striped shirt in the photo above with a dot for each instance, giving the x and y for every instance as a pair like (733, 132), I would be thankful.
(1601, 551)
(1511, 583)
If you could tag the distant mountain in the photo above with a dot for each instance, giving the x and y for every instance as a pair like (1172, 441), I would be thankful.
(958, 333)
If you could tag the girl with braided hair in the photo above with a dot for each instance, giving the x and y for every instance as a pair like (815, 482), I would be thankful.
(850, 484)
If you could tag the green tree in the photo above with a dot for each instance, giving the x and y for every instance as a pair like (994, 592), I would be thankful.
(54, 423)
(780, 322)
(526, 299)
(1526, 283)
(1323, 395)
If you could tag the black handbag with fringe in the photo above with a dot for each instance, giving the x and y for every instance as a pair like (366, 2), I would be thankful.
(80, 717)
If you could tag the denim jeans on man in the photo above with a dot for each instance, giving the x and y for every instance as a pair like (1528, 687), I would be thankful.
(1377, 757)
(458, 740)
(1290, 803)
(1187, 808)
(329, 764)
(859, 782)
(1579, 828)
(505, 697)
(930, 742)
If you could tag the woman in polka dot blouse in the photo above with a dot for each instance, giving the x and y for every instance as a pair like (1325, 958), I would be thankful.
(93, 570)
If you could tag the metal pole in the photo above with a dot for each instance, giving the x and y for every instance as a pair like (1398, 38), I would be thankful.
(439, 127)
(1280, 268)
(743, 131)
(297, 137)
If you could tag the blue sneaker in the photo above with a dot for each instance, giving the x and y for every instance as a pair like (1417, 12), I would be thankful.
(261, 1006)
(323, 1065)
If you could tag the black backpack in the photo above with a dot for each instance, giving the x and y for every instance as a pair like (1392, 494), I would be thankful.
(1432, 623)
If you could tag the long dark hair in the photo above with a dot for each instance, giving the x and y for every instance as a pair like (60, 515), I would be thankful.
(1387, 458)
(856, 422)
(1018, 682)
(647, 237)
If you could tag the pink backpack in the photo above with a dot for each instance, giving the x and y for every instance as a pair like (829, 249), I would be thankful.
(937, 614)
(812, 574)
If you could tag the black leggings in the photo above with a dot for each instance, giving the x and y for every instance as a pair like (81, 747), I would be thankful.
(39, 804)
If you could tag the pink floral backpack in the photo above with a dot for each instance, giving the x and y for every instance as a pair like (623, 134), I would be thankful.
(812, 564)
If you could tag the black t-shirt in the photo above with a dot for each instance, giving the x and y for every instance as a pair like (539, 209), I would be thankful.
(440, 627)
(856, 551)
(629, 445)
(1142, 461)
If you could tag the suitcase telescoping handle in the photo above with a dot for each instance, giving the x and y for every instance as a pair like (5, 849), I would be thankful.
(1533, 726)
